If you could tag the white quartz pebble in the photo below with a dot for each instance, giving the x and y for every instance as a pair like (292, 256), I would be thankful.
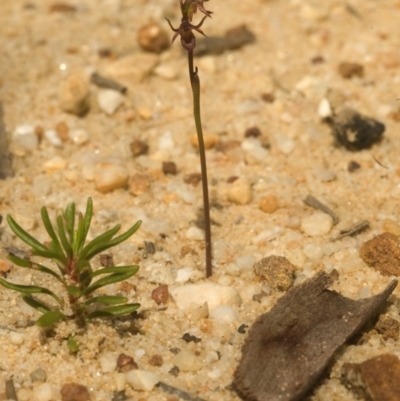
(224, 314)
(324, 108)
(25, 138)
(110, 100)
(52, 136)
(17, 338)
(78, 136)
(108, 362)
(141, 380)
(187, 361)
(43, 392)
(240, 192)
(214, 294)
(195, 234)
(183, 275)
(316, 224)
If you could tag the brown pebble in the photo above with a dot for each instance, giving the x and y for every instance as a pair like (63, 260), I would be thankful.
(269, 204)
(125, 363)
(230, 144)
(231, 179)
(353, 166)
(106, 260)
(139, 147)
(210, 140)
(277, 271)
(139, 184)
(160, 294)
(252, 132)
(62, 130)
(349, 70)
(317, 60)
(60, 7)
(382, 253)
(153, 38)
(376, 379)
(156, 360)
(187, 250)
(39, 132)
(74, 392)
(268, 97)
(169, 168)
(4, 268)
(192, 179)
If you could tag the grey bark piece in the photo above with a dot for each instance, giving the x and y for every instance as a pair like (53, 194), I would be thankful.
(289, 347)
(5, 155)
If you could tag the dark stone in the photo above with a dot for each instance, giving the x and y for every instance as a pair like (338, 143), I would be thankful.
(289, 347)
(355, 131)
(189, 338)
(169, 168)
(353, 166)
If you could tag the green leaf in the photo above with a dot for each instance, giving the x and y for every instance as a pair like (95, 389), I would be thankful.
(29, 289)
(63, 237)
(74, 291)
(114, 311)
(116, 269)
(99, 241)
(111, 279)
(107, 299)
(69, 220)
(38, 248)
(50, 318)
(72, 345)
(35, 266)
(50, 230)
(103, 246)
(83, 228)
(34, 303)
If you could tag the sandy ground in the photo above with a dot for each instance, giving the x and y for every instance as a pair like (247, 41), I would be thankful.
(294, 60)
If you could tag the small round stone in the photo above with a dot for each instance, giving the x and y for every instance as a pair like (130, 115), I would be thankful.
(43, 392)
(153, 38)
(139, 147)
(269, 204)
(108, 177)
(74, 392)
(240, 192)
(316, 224)
(110, 100)
(74, 95)
(160, 294)
(169, 168)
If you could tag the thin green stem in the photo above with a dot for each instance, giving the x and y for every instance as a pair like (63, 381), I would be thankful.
(195, 83)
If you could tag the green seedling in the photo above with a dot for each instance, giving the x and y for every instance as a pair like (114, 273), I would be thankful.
(72, 257)
(188, 41)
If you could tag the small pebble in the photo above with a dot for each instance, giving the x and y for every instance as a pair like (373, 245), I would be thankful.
(17, 338)
(187, 361)
(160, 294)
(214, 294)
(324, 109)
(317, 224)
(110, 100)
(78, 136)
(210, 140)
(156, 360)
(153, 38)
(125, 363)
(62, 130)
(74, 392)
(52, 136)
(224, 314)
(183, 275)
(269, 204)
(139, 184)
(382, 253)
(108, 177)
(349, 70)
(119, 382)
(195, 234)
(57, 163)
(169, 168)
(252, 132)
(108, 362)
(24, 137)
(74, 95)
(277, 271)
(166, 71)
(353, 166)
(139, 147)
(141, 380)
(192, 179)
(240, 192)
(43, 392)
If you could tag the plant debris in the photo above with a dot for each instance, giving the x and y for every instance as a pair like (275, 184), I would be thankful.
(5, 155)
(289, 347)
(11, 394)
(376, 379)
(179, 393)
(352, 230)
(355, 131)
(108, 83)
(233, 39)
(316, 204)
